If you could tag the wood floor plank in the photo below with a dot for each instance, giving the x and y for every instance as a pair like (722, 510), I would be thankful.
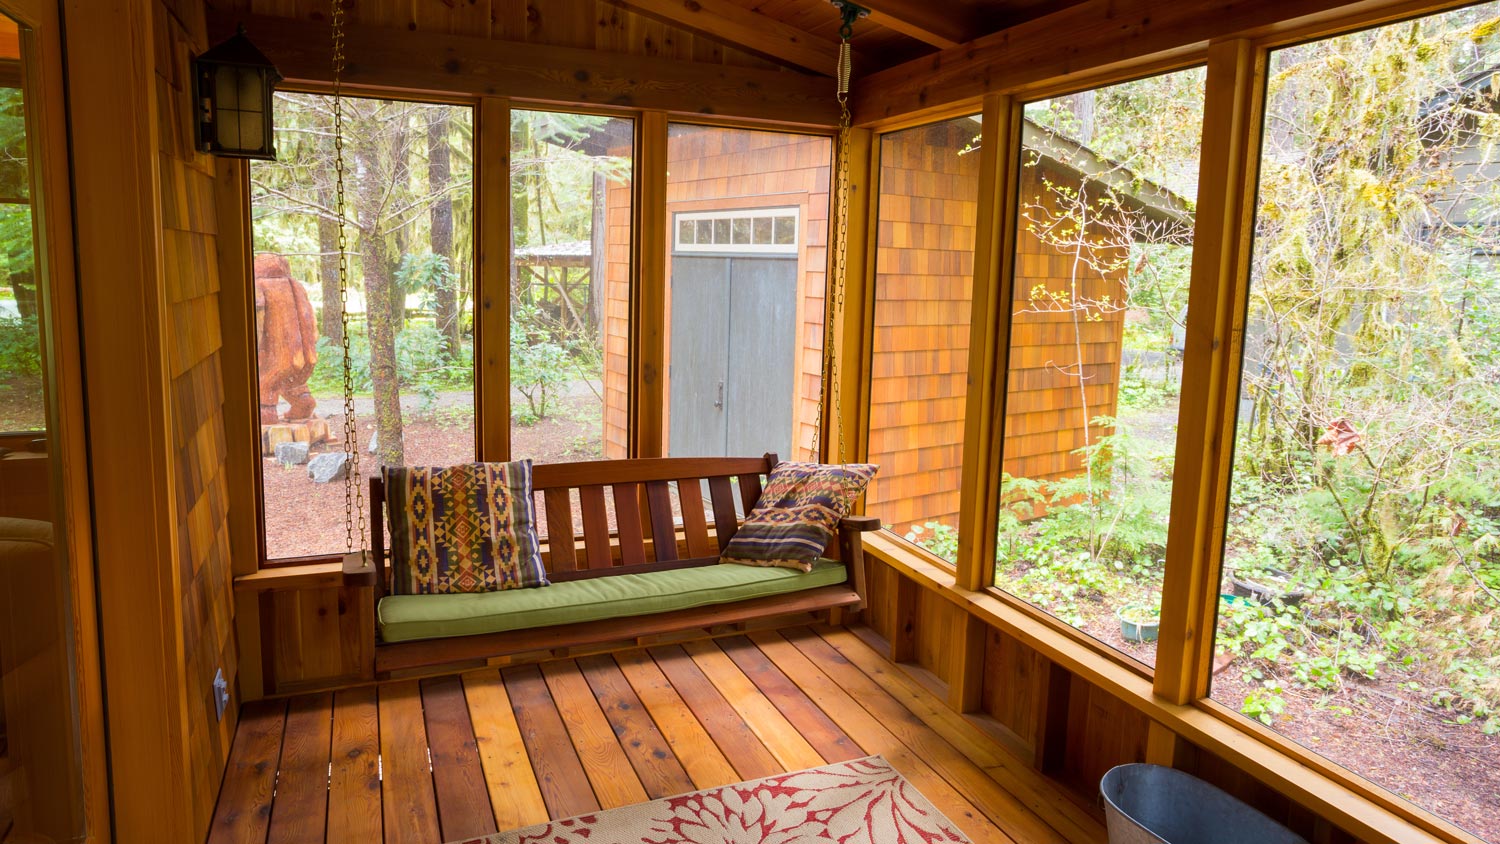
(560, 776)
(515, 798)
(1014, 775)
(741, 747)
(875, 738)
(659, 771)
(812, 723)
(463, 800)
(1007, 811)
(354, 799)
(609, 769)
(300, 813)
(760, 714)
(410, 805)
(244, 810)
(690, 743)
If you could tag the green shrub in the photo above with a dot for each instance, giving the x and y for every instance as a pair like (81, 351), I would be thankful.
(20, 348)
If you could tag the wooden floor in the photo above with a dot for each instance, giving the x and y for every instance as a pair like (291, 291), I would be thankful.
(450, 758)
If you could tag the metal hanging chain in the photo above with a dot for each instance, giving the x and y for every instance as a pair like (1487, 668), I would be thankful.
(834, 312)
(354, 496)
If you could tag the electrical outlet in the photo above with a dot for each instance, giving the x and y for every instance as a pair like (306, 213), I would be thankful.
(221, 694)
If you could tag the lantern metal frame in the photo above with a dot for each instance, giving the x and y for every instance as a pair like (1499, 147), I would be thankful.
(235, 55)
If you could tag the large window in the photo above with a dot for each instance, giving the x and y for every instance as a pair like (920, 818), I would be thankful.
(408, 213)
(747, 268)
(1103, 247)
(1360, 608)
(924, 275)
(570, 285)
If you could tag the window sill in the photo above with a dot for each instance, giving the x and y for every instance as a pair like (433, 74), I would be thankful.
(1354, 804)
(286, 578)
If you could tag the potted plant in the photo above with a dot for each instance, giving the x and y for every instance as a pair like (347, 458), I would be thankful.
(1139, 622)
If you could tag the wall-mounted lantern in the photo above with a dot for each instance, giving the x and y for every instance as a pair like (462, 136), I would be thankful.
(232, 87)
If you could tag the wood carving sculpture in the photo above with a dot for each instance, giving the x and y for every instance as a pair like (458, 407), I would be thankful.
(288, 340)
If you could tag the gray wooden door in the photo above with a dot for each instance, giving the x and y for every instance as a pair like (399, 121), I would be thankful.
(734, 353)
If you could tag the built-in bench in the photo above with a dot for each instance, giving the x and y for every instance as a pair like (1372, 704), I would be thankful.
(653, 569)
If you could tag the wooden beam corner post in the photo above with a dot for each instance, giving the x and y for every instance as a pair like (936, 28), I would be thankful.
(648, 313)
(492, 261)
(989, 343)
(237, 359)
(850, 397)
(1211, 368)
(123, 307)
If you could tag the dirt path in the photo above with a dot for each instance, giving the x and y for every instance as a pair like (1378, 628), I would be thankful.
(305, 518)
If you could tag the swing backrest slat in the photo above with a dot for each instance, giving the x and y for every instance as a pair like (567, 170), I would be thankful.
(638, 525)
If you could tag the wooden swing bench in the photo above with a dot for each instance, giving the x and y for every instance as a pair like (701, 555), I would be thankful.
(621, 585)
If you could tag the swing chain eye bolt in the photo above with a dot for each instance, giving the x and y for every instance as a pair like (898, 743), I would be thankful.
(851, 12)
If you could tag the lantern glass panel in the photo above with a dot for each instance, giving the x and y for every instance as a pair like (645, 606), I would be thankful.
(226, 91)
(252, 88)
(252, 131)
(227, 131)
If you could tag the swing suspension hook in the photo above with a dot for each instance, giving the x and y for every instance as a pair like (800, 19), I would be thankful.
(851, 12)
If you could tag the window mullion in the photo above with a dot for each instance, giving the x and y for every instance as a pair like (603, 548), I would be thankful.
(989, 342)
(492, 338)
(1210, 376)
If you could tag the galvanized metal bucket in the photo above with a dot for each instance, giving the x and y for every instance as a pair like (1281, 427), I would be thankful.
(1151, 804)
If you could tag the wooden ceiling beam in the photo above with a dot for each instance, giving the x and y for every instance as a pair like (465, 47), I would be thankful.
(1090, 38)
(743, 29)
(939, 24)
(434, 64)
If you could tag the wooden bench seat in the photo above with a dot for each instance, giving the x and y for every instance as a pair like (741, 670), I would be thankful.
(655, 572)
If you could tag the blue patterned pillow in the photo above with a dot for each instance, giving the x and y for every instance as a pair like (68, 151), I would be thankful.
(797, 514)
(467, 528)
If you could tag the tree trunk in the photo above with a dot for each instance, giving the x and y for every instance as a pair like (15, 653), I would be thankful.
(378, 265)
(399, 171)
(328, 269)
(23, 285)
(439, 174)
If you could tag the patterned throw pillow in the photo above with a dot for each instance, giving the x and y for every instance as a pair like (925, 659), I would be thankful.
(468, 528)
(797, 514)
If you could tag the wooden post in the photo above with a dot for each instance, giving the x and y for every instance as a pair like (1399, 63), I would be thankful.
(237, 361)
(123, 308)
(492, 249)
(1211, 368)
(1054, 689)
(648, 313)
(854, 326)
(966, 686)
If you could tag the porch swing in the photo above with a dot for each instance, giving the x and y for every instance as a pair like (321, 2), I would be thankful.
(647, 576)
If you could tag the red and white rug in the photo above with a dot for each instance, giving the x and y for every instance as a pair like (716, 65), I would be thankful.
(860, 802)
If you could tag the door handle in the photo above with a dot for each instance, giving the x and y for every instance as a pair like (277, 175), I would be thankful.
(719, 402)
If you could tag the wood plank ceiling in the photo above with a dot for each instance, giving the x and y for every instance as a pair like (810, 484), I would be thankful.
(896, 30)
(801, 35)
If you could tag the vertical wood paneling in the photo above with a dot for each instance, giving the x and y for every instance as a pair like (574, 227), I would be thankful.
(190, 282)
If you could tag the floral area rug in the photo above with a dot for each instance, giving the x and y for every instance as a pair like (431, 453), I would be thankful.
(864, 801)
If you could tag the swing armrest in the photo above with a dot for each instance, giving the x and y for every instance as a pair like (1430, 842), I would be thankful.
(852, 551)
(359, 569)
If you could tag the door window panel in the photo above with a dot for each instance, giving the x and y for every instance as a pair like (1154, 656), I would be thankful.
(43, 781)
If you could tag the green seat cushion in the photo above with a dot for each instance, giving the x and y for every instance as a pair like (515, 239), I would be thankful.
(406, 618)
